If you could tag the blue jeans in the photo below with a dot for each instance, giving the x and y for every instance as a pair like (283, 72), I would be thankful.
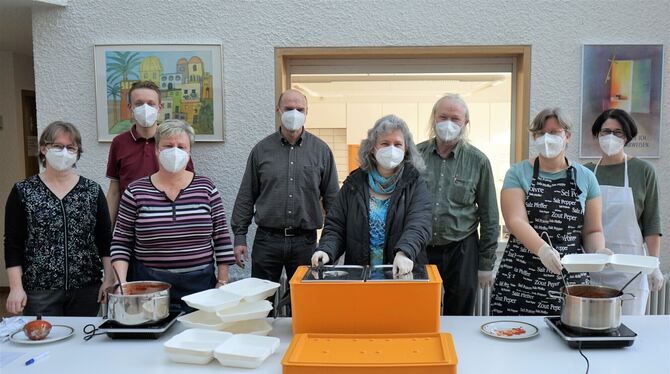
(183, 284)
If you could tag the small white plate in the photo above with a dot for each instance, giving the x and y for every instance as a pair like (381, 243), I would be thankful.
(512, 330)
(58, 332)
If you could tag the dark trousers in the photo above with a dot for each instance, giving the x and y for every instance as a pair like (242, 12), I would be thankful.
(272, 252)
(183, 284)
(457, 263)
(78, 302)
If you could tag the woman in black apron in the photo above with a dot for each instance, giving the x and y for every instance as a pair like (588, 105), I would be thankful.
(555, 223)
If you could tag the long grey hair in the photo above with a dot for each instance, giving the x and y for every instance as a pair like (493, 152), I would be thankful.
(366, 153)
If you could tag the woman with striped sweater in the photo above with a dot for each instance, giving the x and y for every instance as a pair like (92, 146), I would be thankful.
(172, 223)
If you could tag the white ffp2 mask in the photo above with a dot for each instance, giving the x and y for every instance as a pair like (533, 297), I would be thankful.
(293, 119)
(60, 160)
(145, 115)
(548, 145)
(610, 144)
(448, 130)
(389, 157)
(173, 159)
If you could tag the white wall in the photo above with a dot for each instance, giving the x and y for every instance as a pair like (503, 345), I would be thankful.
(16, 74)
(250, 30)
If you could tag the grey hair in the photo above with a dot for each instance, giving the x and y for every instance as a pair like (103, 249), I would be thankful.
(384, 125)
(172, 127)
(456, 98)
(50, 133)
(545, 114)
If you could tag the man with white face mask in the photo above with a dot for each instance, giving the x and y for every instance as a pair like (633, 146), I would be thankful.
(631, 214)
(460, 180)
(132, 153)
(290, 177)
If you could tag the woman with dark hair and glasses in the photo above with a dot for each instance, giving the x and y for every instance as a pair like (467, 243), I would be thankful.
(57, 234)
(631, 216)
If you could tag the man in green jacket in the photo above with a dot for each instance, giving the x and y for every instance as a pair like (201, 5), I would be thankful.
(461, 183)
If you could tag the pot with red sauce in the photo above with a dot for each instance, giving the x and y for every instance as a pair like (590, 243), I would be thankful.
(140, 303)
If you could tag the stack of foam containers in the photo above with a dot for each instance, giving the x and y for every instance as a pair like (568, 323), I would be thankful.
(229, 325)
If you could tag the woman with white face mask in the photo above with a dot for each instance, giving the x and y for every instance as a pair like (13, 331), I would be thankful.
(173, 223)
(631, 214)
(551, 208)
(57, 234)
(382, 212)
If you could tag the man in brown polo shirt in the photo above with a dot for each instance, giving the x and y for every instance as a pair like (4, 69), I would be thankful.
(133, 153)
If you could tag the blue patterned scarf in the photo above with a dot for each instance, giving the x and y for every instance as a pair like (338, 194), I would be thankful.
(381, 185)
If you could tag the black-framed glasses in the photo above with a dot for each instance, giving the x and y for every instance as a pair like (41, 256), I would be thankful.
(59, 147)
(618, 133)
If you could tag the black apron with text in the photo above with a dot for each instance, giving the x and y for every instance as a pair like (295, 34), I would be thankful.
(523, 283)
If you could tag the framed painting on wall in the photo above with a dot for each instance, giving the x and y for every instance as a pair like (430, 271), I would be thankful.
(190, 78)
(628, 77)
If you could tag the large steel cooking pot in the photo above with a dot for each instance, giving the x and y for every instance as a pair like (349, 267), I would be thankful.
(590, 308)
(142, 302)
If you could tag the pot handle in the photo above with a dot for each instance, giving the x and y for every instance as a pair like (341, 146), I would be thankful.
(632, 297)
(555, 295)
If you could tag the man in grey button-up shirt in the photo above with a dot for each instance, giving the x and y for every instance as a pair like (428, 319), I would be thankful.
(290, 177)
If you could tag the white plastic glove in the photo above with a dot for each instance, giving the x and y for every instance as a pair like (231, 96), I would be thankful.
(550, 258)
(320, 255)
(486, 278)
(655, 280)
(401, 264)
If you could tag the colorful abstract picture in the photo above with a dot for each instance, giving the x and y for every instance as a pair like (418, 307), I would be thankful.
(189, 77)
(628, 77)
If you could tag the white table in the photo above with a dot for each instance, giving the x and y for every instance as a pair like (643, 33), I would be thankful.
(477, 353)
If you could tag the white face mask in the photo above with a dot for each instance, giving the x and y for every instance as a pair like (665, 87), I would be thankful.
(293, 119)
(610, 144)
(60, 160)
(448, 130)
(145, 115)
(548, 145)
(173, 159)
(389, 157)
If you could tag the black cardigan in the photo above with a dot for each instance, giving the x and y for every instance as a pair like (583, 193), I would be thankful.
(58, 243)
(408, 220)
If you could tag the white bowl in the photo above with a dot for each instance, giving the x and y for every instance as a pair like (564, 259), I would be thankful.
(253, 327)
(247, 351)
(245, 311)
(584, 262)
(634, 263)
(212, 300)
(252, 289)
(201, 319)
(195, 346)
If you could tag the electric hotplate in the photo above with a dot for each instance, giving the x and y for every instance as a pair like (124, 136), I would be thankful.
(619, 338)
(115, 330)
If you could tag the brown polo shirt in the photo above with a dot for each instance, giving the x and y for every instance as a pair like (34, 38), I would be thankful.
(132, 157)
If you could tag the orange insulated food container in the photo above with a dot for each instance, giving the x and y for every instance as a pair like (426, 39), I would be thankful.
(366, 307)
(370, 353)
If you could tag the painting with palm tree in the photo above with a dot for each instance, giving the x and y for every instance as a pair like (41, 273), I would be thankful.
(189, 76)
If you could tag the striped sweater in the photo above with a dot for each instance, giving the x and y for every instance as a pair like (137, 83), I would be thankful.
(175, 235)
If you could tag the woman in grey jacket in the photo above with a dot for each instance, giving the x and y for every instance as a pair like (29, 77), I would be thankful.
(382, 212)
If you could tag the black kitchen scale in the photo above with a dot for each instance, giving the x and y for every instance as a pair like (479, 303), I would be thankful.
(619, 338)
(115, 330)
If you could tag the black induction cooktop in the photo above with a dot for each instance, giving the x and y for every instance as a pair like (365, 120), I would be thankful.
(617, 338)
